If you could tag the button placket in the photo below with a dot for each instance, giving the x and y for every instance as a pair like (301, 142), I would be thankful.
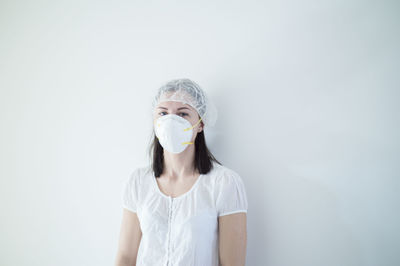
(169, 230)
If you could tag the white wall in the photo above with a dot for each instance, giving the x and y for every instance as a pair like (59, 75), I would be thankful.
(308, 99)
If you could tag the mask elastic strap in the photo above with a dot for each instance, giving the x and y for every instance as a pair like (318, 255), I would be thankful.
(186, 129)
(189, 128)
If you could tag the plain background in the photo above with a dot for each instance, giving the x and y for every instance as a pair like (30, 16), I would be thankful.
(308, 101)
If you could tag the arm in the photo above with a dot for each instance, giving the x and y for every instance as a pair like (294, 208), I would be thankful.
(232, 239)
(129, 239)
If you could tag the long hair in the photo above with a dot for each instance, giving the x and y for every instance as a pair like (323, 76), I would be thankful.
(203, 158)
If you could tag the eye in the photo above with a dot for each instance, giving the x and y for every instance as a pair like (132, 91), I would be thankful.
(161, 113)
(183, 114)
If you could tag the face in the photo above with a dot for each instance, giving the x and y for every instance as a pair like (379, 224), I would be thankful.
(181, 109)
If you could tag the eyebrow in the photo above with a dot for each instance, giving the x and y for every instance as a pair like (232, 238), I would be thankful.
(178, 108)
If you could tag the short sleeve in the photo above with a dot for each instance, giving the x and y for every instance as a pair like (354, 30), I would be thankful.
(231, 194)
(130, 192)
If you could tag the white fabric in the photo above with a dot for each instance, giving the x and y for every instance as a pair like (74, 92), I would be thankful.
(182, 231)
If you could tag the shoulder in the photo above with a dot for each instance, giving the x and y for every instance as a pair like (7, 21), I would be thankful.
(224, 175)
(135, 184)
(223, 172)
(138, 175)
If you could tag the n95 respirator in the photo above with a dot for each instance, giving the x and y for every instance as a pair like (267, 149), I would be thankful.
(173, 132)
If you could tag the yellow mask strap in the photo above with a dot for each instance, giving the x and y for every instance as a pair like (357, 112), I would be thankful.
(186, 129)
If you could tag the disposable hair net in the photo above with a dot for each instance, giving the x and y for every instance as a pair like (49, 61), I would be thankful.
(187, 91)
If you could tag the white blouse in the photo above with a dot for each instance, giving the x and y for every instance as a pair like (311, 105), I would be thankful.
(183, 230)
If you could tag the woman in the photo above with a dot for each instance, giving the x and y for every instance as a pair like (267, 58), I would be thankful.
(185, 209)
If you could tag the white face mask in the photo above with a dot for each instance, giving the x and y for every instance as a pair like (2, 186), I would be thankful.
(174, 132)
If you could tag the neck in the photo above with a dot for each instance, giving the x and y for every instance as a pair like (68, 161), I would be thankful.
(180, 165)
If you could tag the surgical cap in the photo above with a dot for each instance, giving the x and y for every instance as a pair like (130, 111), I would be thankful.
(188, 92)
